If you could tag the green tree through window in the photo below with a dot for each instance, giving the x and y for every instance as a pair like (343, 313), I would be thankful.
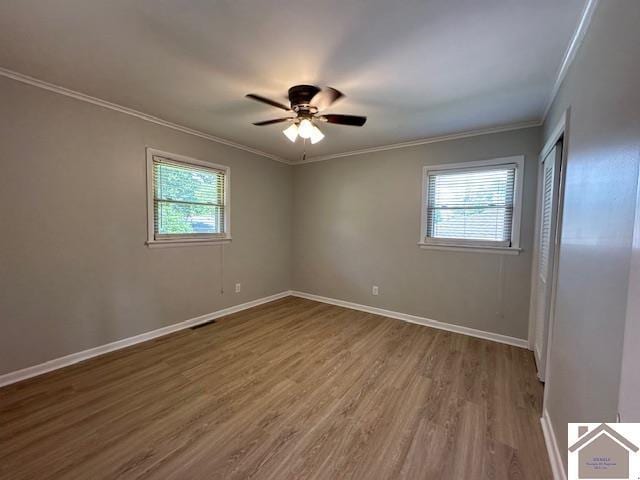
(188, 199)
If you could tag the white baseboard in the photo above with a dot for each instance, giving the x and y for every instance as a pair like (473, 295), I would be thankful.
(472, 332)
(67, 360)
(57, 363)
(555, 459)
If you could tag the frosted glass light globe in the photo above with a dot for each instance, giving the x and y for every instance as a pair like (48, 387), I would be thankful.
(305, 128)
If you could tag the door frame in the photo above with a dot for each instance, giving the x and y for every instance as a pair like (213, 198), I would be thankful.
(628, 408)
(560, 130)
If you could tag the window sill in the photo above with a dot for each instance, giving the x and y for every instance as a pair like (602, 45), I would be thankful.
(187, 243)
(471, 248)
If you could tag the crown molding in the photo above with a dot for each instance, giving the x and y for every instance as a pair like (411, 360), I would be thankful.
(20, 77)
(4, 72)
(424, 141)
(567, 60)
(572, 49)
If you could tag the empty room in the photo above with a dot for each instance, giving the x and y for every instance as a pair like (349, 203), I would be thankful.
(358, 239)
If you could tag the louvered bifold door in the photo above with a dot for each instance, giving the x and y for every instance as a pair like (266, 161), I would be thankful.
(546, 219)
(546, 251)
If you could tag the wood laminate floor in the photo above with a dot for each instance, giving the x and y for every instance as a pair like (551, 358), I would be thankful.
(293, 389)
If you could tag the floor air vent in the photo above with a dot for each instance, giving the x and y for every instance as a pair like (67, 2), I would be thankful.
(205, 324)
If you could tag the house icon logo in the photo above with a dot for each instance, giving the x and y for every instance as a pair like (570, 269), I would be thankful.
(604, 451)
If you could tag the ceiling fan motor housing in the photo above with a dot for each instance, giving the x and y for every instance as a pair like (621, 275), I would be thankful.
(300, 97)
(306, 101)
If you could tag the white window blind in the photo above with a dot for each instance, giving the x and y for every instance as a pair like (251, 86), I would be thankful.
(471, 205)
(189, 200)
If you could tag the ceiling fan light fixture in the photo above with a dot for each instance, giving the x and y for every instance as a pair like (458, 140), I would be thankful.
(291, 132)
(316, 135)
(305, 128)
(306, 104)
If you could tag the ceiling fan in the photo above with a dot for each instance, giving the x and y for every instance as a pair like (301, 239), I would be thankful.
(307, 103)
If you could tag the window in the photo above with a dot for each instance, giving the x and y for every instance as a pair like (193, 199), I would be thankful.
(188, 200)
(474, 204)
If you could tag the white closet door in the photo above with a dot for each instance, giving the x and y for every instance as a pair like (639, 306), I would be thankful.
(546, 252)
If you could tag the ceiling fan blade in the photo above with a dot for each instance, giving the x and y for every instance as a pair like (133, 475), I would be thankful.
(326, 97)
(275, 120)
(268, 101)
(353, 120)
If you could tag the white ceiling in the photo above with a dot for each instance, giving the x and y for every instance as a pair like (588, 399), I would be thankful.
(415, 68)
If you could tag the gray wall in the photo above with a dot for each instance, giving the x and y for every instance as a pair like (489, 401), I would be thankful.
(602, 89)
(74, 269)
(356, 223)
(75, 272)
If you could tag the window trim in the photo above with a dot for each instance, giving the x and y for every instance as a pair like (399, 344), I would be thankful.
(189, 239)
(475, 245)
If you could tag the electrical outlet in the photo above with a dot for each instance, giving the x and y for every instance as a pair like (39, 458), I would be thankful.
(374, 290)
(238, 287)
